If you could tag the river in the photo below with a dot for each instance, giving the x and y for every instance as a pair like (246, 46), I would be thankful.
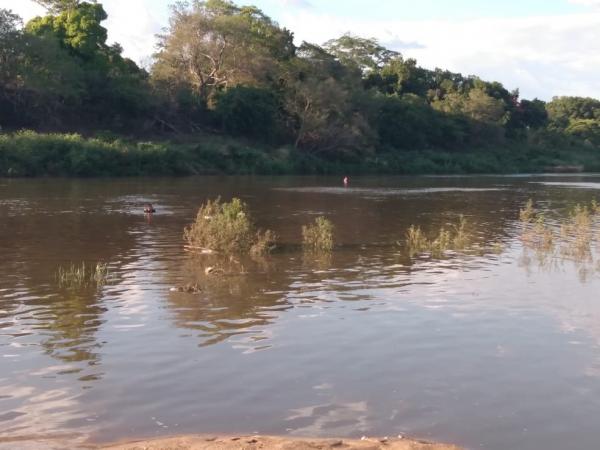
(485, 349)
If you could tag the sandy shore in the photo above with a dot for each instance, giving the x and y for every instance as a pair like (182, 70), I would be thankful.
(275, 443)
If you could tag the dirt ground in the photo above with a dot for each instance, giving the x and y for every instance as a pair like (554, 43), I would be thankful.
(276, 443)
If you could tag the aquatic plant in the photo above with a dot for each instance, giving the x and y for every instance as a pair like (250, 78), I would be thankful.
(227, 227)
(318, 236)
(441, 243)
(264, 243)
(457, 237)
(80, 276)
(538, 235)
(577, 233)
(416, 241)
(528, 213)
(571, 238)
(497, 248)
(462, 238)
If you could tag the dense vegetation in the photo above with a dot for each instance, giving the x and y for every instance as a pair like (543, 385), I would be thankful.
(229, 91)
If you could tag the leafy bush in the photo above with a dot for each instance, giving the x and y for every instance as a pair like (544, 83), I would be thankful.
(318, 237)
(227, 228)
(248, 111)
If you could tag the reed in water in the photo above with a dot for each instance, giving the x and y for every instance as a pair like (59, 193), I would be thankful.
(82, 275)
(455, 237)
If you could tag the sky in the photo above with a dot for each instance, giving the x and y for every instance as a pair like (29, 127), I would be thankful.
(543, 47)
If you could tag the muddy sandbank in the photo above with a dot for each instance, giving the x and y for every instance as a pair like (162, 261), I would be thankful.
(276, 443)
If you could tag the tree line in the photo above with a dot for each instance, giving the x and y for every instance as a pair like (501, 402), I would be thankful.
(230, 69)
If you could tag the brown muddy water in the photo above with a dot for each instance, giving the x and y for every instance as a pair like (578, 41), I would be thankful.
(485, 349)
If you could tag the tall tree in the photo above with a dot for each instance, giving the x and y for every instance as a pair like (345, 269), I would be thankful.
(562, 110)
(214, 44)
(366, 55)
(115, 86)
(319, 102)
(10, 41)
(78, 29)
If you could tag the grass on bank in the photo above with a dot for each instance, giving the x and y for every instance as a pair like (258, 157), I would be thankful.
(28, 153)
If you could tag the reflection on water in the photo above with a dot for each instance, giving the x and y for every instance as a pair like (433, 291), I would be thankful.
(495, 347)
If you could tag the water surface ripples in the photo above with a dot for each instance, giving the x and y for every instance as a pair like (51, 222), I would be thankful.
(483, 348)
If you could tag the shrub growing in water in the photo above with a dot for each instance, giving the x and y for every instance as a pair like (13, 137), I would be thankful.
(318, 236)
(227, 228)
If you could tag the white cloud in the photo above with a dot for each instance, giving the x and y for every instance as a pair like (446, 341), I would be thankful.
(24, 8)
(594, 3)
(543, 56)
(303, 4)
(134, 25)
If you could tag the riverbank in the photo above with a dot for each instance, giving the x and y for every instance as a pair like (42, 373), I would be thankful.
(32, 154)
(276, 443)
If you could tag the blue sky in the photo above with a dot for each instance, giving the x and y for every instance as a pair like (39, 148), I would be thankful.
(542, 47)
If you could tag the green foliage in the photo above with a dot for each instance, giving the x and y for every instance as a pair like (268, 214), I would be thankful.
(585, 129)
(77, 28)
(318, 236)
(561, 110)
(351, 105)
(248, 111)
(532, 113)
(365, 55)
(409, 123)
(34, 154)
(31, 154)
(227, 228)
(321, 107)
(92, 82)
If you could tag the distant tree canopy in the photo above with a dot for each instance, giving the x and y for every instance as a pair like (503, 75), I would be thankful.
(78, 29)
(64, 73)
(232, 69)
(365, 54)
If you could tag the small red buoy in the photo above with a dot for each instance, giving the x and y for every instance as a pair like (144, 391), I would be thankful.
(149, 209)
(346, 180)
